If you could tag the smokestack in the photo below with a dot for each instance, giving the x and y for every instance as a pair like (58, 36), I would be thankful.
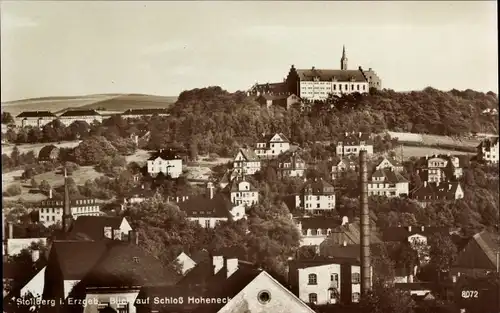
(50, 193)
(11, 230)
(210, 187)
(133, 237)
(67, 217)
(365, 225)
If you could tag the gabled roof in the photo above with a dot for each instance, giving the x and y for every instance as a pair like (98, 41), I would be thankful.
(268, 137)
(71, 113)
(489, 244)
(272, 88)
(46, 151)
(145, 111)
(340, 251)
(249, 154)
(202, 206)
(165, 154)
(36, 114)
(233, 185)
(389, 175)
(318, 222)
(391, 160)
(352, 139)
(318, 187)
(139, 191)
(330, 75)
(402, 233)
(76, 258)
(351, 234)
(93, 226)
(488, 143)
(435, 191)
(125, 264)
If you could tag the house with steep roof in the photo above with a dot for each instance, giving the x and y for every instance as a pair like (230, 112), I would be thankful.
(90, 116)
(350, 234)
(211, 208)
(487, 150)
(386, 182)
(285, 101)
(316, 197)
(101, 227)
(165, 161)
(341, 166)
(268, 89)
(353, 143)
(222, 285)
(479, 256)
(246, 162)
(437, 192)
(188, 261)
(34, 118)
(138, 194)
(441, 168)
(48, 153)
(326, 280)
(241, 192)
(138, 113)
(315, 230)
(271, 146)
(291, 165)
(389, 163)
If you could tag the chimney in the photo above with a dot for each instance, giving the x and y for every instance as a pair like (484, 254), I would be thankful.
(11, 230)
(133, 237)
(50, 193)
(217, 263)
(426, 157)
(313, 68)
(231, 265)
(410, 278)
(369, 69)
(345, 220)
(35, 255)
(210, 190)
(422, 228)
(108, 232)
(117, 234)
(365, 224)
(344, 243)
(409, 228)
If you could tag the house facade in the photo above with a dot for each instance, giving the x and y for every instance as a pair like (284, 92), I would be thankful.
(50, 211)
(138, 113)
(437, 192)
(270, 146)
(291, 165)
(246, 162)
(315, 230)
(479, 256)
(317, 197)
(342, 166)
(34, 118)
(440, 168)
(488, 150)
(89, 116)
(165, 161)
(241, 192)
(385, 182)
(353, 143)
(389, 163)
(326, 280)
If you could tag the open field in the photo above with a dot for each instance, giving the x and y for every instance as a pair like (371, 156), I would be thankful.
(409, 151)
(132, 101)
(435, 139)
(36, 147)
(80, 176)
(202, 170)
(140, 157)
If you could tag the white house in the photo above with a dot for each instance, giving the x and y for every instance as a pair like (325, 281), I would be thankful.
(315, 230)
(324, 280)
(488, 150)
(440, 168)
(51, 210)
(342, 166)
(166, 162)
(246, 162)
(353, 143)
(34, 118)
(89, 116)
(316, 197)
(386, 182)
(291, 165)
(389, 163)
(270, 146)
(242, 192)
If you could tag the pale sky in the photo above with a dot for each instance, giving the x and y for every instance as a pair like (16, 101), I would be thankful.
(70, 48)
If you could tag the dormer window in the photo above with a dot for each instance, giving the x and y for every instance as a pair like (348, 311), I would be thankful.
(136, 259)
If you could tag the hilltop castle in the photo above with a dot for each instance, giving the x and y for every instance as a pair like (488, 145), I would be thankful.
(317, 84)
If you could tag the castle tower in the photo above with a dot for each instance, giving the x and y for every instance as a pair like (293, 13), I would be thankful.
(343, 60)
(67, 217)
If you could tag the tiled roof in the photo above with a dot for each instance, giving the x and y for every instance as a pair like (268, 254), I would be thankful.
(351, 139)
(340, 251)
(391, 160)
(36, 114)
(402, 233)
(488, 143)
(318, 187)
(71, 113)
(165, 154)
(76, 258)
(139, 191)
(200, 256)
(318, 222)
(233, 185)
(390, 176)
(272, 88)
(93, 226)
(126, 264)
(489, 244)
(330, 75)
(249, 154)
(45, 152)
(435, 191)
(351, 234)
(202, 206)
(145, 111)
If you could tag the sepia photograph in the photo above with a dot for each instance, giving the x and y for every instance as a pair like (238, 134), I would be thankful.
(250, 156)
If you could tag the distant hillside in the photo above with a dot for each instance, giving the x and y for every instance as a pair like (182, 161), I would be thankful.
(109, 102)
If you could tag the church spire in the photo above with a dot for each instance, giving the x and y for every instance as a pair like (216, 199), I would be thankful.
(67, 216)
(343, 60)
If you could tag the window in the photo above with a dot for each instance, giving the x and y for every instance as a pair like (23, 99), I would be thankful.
(334, 87)
(355, 297)
(207, 223)
(340, 87)
(357, 87)
(364, 87)
(334, 280)
(313, 298)
(356, 278)
(313, 279)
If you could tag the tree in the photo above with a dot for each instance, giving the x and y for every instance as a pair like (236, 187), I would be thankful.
(91, 150)
(443, 252)
(7, 118)
(34, 183)
(387, 299)
(15, 156)
(13, 190)
(45, 187)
